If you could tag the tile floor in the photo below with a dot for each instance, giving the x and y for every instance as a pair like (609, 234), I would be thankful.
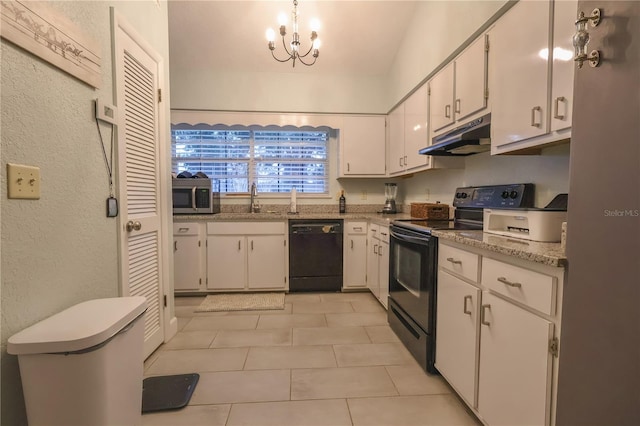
(326, 359)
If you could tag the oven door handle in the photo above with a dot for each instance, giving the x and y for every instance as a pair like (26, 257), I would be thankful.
(410, 239)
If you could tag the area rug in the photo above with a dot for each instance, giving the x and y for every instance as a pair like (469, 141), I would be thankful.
(241, 302)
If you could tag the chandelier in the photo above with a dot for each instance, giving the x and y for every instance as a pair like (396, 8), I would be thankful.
(293, 51)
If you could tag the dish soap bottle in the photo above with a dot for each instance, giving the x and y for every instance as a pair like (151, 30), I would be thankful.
(342, 203)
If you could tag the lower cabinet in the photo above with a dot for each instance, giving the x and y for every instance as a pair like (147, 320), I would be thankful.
(188, 270)
(355, 255)
(497, 332)
(246, 256)
(378, 262)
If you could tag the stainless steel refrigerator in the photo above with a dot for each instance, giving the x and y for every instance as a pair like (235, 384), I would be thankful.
(599, 368)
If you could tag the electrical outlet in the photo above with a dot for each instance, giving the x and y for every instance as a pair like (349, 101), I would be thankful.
(23, 182)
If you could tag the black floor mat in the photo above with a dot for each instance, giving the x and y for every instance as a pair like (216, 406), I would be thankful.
(167, 392)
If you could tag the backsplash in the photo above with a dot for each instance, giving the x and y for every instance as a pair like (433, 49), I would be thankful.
(306, 208)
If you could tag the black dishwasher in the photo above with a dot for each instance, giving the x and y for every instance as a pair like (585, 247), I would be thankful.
(315, 255)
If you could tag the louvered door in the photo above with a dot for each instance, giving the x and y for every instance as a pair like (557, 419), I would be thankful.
(138, 165)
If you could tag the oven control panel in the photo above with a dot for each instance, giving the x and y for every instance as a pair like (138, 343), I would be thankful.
(511, 196)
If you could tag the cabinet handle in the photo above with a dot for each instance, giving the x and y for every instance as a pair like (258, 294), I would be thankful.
(348, 167)
(533, 117)
(455, 262)
(351, 244)
(447, 111)
(375, 249)
(380, 251)
(400, 161)
(357, 228)
(405, 160)
(483, 315)
(556, 108)
(503, 280)
(465, 309)
(175, 246)
(457, 110)
(251, 245)
(238, 245)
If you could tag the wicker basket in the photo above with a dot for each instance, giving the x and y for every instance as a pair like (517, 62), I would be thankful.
(430, 211)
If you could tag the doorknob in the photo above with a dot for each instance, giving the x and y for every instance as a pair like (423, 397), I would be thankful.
(133, 226)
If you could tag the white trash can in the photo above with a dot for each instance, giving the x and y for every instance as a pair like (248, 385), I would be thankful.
(84, 365)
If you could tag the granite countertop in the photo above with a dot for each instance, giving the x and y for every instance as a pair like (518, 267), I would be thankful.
(550, 254)
(379, 218)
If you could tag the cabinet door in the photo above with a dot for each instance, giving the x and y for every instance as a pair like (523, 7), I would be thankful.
(186, 262)
(355, 261)
(471, 80)
(372, 261)
(519, 74)
(363, 145)
(266, 264)
(515, 365)
(226, 262)
(416, 128)
(383, 272)
(396, 140)
(564, 16)
(441, 99)
(457, 334)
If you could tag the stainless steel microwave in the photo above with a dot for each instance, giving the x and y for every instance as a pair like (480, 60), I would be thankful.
(195, 196)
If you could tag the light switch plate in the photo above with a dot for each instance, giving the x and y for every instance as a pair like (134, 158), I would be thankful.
(23, 181)
(105, 112)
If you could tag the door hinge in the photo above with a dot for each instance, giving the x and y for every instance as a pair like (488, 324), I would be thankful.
(285, 280)
(553, 346)
(159, 95)
(200, 281)
(429, 90)
(486, 43)
(486, 94)
(165, 300)
(199, 243)
(284, 242)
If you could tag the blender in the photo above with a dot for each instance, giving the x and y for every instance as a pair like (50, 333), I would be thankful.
(390, 191)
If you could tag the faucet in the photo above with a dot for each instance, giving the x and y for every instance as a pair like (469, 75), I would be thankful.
(255, 206)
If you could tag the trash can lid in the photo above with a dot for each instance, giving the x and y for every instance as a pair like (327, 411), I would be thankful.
(79, 327)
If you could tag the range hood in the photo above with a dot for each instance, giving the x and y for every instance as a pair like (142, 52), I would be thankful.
(470, 138)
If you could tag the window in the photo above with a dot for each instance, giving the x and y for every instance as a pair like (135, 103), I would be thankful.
(276, 160)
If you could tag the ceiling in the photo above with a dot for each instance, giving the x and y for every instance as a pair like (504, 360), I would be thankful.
(229, 36)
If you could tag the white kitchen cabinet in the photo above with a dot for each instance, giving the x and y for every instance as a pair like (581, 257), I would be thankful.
(563, 67)
(226, 262)
(355, 255)
(362, 146)
(188, 262)
(524, 116)
(246, 256)
(409, 133)
(373, 283)
(460, 88)
(515, 364)
(378, 263)
(497, 328)
(396, 140)
(457, 334)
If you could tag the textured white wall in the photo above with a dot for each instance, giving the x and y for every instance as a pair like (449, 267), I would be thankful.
(59, 250)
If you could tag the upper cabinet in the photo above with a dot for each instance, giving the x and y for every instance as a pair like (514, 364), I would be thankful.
(460, 88)
(521, 75)
(362, 146)
(409, 132)
(563, 67)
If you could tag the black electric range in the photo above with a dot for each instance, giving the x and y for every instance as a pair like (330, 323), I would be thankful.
(413, 263)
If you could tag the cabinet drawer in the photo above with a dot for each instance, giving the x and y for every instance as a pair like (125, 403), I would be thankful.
(459, 261)
(384, 234)
(374, 231)
(186, 228)
(246, 228)
(356, 227)
(531, 288)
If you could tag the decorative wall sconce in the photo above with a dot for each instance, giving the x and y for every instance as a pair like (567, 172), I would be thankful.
(581, 39)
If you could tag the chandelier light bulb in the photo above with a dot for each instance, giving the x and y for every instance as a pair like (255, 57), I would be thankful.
(282, 19)
(314, 24)
(317, 43)
(271, 34)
